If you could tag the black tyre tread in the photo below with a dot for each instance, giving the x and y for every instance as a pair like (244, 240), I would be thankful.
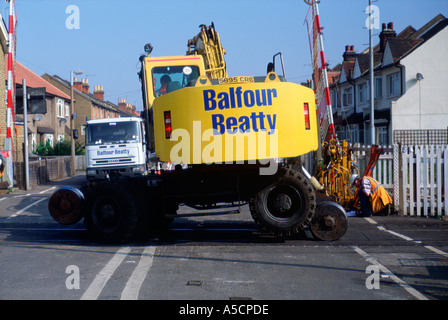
(126, 198)
(286, 176)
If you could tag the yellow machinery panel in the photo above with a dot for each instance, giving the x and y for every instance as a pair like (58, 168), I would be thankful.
(238, 119)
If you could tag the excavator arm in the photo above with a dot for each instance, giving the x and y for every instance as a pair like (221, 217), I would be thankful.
(207, 44)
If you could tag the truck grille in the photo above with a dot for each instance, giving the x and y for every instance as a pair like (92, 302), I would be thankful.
(112, 161)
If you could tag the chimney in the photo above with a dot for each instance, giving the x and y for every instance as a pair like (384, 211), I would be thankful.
(387, 33)
(349, 54)
(77, 84)
(85, 86)
(98, 92)
(122, 104)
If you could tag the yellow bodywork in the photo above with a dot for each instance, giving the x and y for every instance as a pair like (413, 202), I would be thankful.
(237, 120)
(232, 120)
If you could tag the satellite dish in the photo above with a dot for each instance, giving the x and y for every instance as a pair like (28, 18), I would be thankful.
(37, 117)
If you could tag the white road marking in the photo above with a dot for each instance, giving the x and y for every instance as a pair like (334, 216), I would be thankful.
(399, 235)
(443, 253)
(132, 289)
(390, 274)
(22, 195)
(26, 208)
(95, 288)
(46, 190)
(370, 220)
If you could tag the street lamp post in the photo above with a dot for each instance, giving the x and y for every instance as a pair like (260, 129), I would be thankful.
(72, 123)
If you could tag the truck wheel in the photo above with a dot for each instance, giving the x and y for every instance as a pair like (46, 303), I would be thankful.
(113, 213)
(286, 205)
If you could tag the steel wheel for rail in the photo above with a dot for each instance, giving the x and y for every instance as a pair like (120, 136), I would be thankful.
(329, 222)
(286, 205)
(113, 213)
(66, 205)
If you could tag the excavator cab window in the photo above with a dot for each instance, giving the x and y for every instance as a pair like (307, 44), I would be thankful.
(169, 79)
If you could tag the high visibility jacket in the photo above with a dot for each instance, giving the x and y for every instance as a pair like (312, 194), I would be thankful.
(379, 196)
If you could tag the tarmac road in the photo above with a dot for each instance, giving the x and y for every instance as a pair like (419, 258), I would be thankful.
(208, 255)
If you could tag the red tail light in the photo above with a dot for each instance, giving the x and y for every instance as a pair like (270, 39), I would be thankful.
(168, 128)
(306, 112)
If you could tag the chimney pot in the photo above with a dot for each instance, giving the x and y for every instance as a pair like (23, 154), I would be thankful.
(85, 86)
(99, 93)
(349, 54)
(386, 34)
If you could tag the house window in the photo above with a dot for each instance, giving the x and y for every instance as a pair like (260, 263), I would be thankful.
(347, 97)
(333, 98)
(33, 142)
(378, 87)
(61, 137)
(383, 137)
(67, 109)
(393, 84)
(352, 133)
(60, 108)
(48, 137)
(362, 89)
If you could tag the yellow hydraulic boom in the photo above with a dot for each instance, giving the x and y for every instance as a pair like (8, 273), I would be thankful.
(207, 44)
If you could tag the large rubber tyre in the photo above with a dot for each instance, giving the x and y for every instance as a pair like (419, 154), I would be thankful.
(114, 213)
(286, 205)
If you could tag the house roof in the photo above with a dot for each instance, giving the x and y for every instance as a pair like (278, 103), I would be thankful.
(363, 60)
(35, 81)
(334, 74)
(399, 46)
(104, 104)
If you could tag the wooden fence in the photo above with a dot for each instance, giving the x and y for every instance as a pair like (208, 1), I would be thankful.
(383, 170)
(415, 176)
(423, 176)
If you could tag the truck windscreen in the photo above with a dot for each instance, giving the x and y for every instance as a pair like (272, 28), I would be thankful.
(113, 132)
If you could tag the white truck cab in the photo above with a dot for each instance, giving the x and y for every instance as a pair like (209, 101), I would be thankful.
(115, 147)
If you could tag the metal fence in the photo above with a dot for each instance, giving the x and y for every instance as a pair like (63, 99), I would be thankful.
(43, 169)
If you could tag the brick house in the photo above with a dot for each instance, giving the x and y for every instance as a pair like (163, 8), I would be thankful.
(49, 121)
(87, 105)
(409, 88)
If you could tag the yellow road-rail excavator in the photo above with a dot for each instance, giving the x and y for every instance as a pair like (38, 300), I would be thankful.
(229, 141)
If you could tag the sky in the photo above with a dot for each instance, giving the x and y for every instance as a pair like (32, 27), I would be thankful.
(104, 38)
